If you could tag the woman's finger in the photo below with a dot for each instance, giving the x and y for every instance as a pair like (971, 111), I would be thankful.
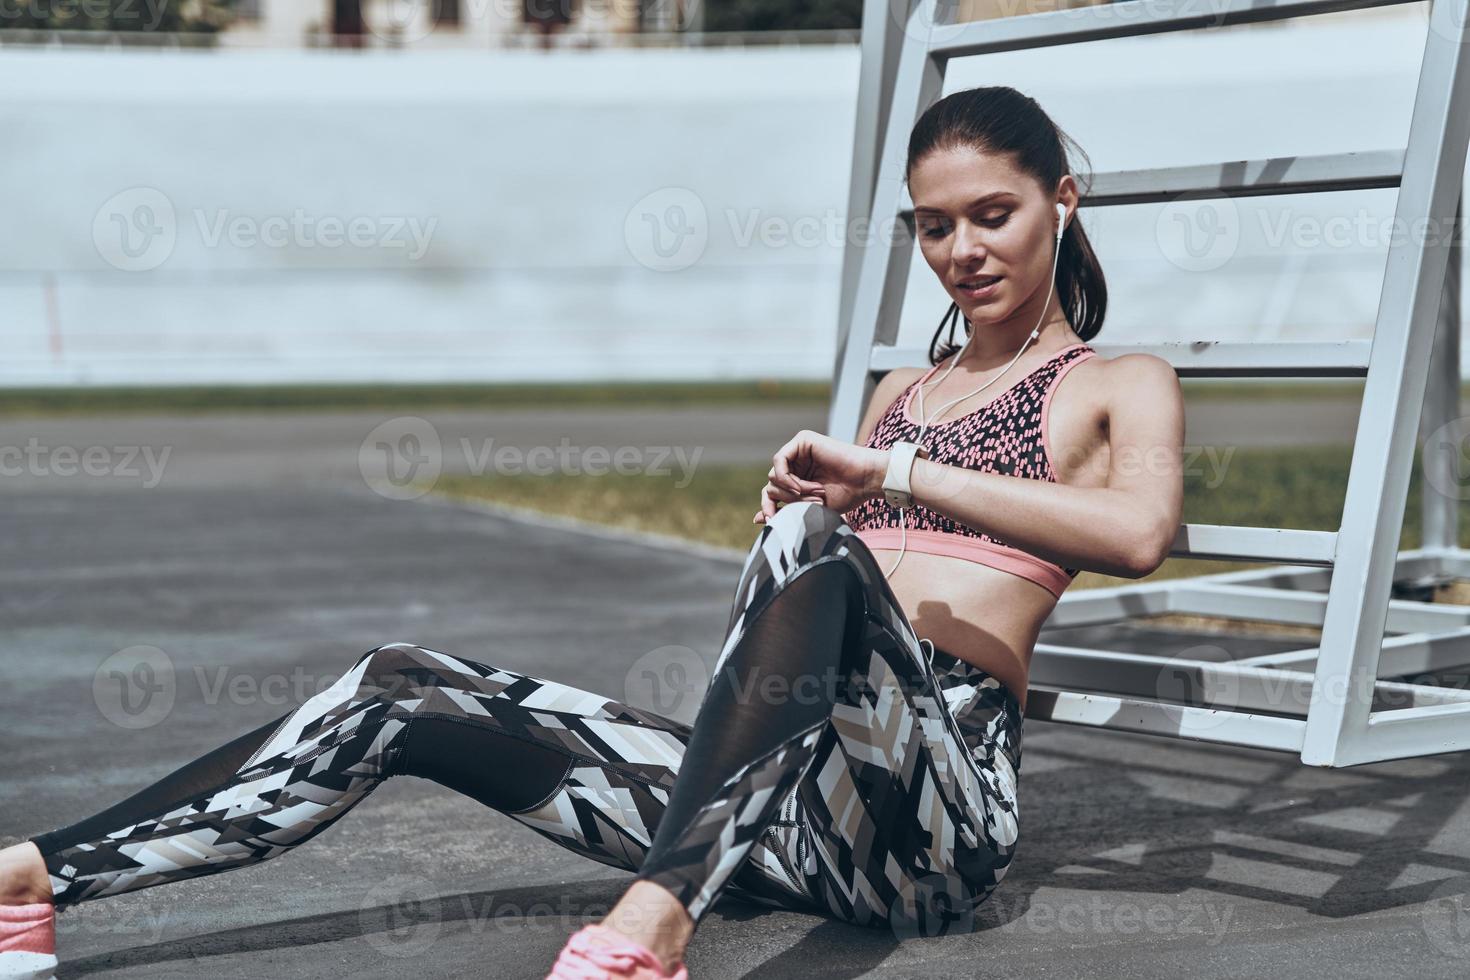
(791, 481)
(781, 493)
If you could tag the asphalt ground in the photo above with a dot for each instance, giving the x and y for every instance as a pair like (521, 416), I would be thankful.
(322, 447)
(264, 566)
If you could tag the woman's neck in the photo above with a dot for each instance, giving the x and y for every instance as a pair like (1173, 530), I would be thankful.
(980, 356)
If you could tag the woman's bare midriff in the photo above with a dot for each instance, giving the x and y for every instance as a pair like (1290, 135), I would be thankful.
(979, 614)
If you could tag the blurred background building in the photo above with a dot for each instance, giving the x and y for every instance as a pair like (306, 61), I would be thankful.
(317, 190)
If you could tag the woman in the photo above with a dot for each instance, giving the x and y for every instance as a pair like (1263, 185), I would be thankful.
(836, 765)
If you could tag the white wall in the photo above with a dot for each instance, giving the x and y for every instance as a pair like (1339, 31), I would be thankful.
(540, 179)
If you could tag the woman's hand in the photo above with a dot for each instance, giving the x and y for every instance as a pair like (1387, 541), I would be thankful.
(813, 466)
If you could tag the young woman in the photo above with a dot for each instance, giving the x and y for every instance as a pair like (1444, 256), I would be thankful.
(837, 765)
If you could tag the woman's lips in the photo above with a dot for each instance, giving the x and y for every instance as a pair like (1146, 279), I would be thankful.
(984, 292)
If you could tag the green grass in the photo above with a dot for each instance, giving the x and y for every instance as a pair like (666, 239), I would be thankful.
(19, 402)
(295, 398)
(1297, 488)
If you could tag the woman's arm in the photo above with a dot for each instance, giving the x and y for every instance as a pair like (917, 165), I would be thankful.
(1125, 528)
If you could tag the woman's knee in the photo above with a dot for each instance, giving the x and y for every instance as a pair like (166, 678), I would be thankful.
(386, 669)
(396, 650)
(808, 517)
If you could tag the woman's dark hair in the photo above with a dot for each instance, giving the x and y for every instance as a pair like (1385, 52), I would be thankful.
(999, 119)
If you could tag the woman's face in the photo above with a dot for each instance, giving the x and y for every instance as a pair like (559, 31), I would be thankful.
(977, 218)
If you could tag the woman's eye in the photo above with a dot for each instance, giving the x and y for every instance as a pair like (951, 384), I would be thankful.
(935, 231)
(997, 222)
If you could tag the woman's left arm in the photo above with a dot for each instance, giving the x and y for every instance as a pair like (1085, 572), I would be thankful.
(1125, 528)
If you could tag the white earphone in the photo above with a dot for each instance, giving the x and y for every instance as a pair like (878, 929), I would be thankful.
(1061, 211)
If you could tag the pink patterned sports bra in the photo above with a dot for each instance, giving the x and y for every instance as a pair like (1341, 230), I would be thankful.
(1008, 436)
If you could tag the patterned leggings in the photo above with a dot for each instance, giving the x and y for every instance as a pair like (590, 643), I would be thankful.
(832, 768)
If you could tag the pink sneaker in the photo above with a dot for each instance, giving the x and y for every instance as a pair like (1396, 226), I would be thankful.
(28, 941)
(596, 952)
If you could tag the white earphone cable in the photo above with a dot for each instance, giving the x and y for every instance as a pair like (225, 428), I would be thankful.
(925, 420)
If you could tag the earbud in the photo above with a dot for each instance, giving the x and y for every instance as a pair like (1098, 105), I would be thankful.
(1061, 219)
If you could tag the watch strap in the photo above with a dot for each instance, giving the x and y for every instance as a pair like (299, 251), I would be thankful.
(897, 489)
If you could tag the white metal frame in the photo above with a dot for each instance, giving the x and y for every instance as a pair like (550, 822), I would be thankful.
(1334, 703)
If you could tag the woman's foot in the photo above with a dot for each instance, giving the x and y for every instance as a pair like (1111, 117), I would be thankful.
(27, 916)
(23, 876)
(643, 937)
(596, 952)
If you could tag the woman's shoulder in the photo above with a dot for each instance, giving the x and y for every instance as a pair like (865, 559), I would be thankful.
(886, 393)
(1133, 378)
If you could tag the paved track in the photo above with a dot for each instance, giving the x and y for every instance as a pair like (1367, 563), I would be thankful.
(266, 572)
(279, 449)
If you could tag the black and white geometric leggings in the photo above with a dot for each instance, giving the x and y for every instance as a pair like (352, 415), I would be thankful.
(833, 766)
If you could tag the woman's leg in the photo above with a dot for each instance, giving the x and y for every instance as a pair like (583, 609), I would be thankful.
(887, 793)
(583, 770)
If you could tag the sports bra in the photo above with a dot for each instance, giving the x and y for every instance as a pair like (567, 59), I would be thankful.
(1008, 436)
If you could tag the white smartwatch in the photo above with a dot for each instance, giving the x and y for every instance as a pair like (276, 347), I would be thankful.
(900, 464)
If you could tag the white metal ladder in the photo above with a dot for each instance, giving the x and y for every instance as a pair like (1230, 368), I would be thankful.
(1317, 701)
